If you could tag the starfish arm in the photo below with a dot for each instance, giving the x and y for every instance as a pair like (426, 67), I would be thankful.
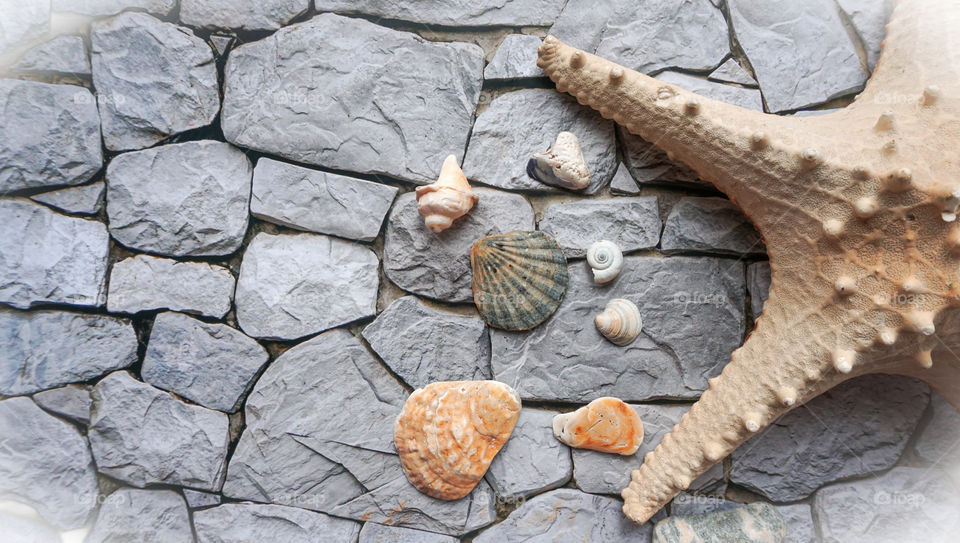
(942, 370)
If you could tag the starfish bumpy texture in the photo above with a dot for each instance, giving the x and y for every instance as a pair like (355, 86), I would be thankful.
(858, 211)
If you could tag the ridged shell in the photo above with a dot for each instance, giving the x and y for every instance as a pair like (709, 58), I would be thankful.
(620, 322)
(605, 425)
(519, 278)
(446, 200)
(562, 165)
(606, 260)
(448, 433)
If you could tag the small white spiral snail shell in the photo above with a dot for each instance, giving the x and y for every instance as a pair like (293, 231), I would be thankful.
(620, 322)
(606, 260)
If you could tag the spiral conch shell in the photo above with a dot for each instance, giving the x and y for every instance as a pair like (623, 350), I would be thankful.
(446, 200)
(562, 165)
(448, 433)
(620, 322)
(606, 260)
(605, 425)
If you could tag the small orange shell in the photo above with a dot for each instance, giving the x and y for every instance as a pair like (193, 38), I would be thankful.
(605, 425)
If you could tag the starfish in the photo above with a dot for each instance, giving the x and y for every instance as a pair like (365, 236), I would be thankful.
(858, 211)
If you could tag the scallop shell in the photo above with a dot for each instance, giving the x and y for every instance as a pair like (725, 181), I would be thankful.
(448, 433)
(562, 165)
(606, 260)
(446, 200)
(519, 278)
(620, 322)
(605, 425)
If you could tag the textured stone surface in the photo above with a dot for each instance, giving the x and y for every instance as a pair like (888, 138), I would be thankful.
(869, 18)
(648, 164)
(143, 435)
(210, 364)
(45, 463)
(423, 345)
(438, 265)
(243, 14)
(196, 499)
(939, 441)
(153, 79)
(453, 12)
(515, 58)
(532, 461)
(327, 92)
(798, 518)
(860, 427)
(567, 359)
(63, 55)
(47, 349)
(631, 223)
(623, 182)
(379, 533)
(294, 285)
(732, 72)
(755, 523)
(709, 225)
(109, 7)
(748, 98)
(71, 401)
(71, 268)
(49, 135)
(319, 435)
(246, 522)
(686, 504)
(22, 21)
(145, 283)
(27, 530)
(317, 201)
(83, 200)
(520, 123)
(799, 521)
(142, 516)
(758, 285)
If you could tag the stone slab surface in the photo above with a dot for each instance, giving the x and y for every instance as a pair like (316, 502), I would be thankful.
(146, 283)
(532, 461)
(142, 516)
(247, 522)
(632, 223)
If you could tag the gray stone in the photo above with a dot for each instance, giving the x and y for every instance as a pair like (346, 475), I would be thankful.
(49, 135)
(197, 499)
(71, 401)
(758, 285)
(187, 199)
(320, 202)
(154, 79)
(146, 283)
(47, 349)
(738, 96)
(799, 521)
(319, 436)
(143, 435)
(800, 51)
(623, 183)
(438, 265)
(82, 200)
(379, 533)
(732, 72)
(532, 461)
(61, 55)
(686, 504)
(798, 518)
(869, 18)
(755, 523)
(940, 440)
(45, 463)
(631, 223)
(22, 21)
(210, 364)
(142, 516)
(344, 109)
(243, 14)
(566, 358)
(245, 522)
(295, 285)
(423, 345)
(27, 530)
(71, 268)
(109, 7)
(859, 427)
(453, 12)
(904, 504)
(516, 58)
(648, 164)
(520, 123)
(709, 225)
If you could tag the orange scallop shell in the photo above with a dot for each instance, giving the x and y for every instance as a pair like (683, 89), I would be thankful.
(605, 425)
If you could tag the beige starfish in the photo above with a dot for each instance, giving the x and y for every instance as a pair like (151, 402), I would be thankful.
(858, 211)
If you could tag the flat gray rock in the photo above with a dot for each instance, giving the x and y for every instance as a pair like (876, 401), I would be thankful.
(27, 530)
(566, 358)
(142, 435)
(71, 269)
(62, 55)
(422, 344)
(515, 58)
(82, 200)
(687, 504)
(869, 19)
(211, 364)
(142, 516)
(858, 428)
(939, 440)
(438, 265)
(731, 94)
(187, 199)
(295, 285)
(315, 201)
(379, 533)
(800, 51)
(732, 72)
(243, 15)
(648, 164)
(197, 499)
(154, 79)
(520, 123)
(623, 183)
(798, 518)
(343, 107)
(49, 134)
(48, 349)
(71, 401)
(109, 7)
(45, 463)
(22, 21)
(631, 223)
(758, 285)
(532, 461)
(755, 523)
(146, 283)
(453, 12)
(246, 522)
(709, 225)
(799, 521)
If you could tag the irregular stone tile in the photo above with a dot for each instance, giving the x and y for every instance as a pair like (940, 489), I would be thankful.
(532, 461)
(196, 499)
(82, 200)
(939, 441)
(709, 225)
(438, 265)
(732, 72)
(45, 463)
(738, 96)
(424, 345)
(857, 428)
(520, 123)
(648, 164)
(142, 516)
(62, 55)
(187, 199)
(869, 18)
(515, 58)
(211, 364)
(904, 504)
(109, 7)
(243, 15)
(755, 523)
(453, 12)
(245, 522)
(623, 183)
(800, 51)
(71, 268)
(27, 530)
(146, 283)
(71, 401)
(378, 533)
(294, 285)
(143, 435)
(153, 79)
(47, 349)
(687, 504)
(758, 285)
(320, 202)
(631, 223)
(342, 108)
(798, 517)
(799, 521)
(22, 21)
(49, 135)
(319, 436)
(566, 358)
